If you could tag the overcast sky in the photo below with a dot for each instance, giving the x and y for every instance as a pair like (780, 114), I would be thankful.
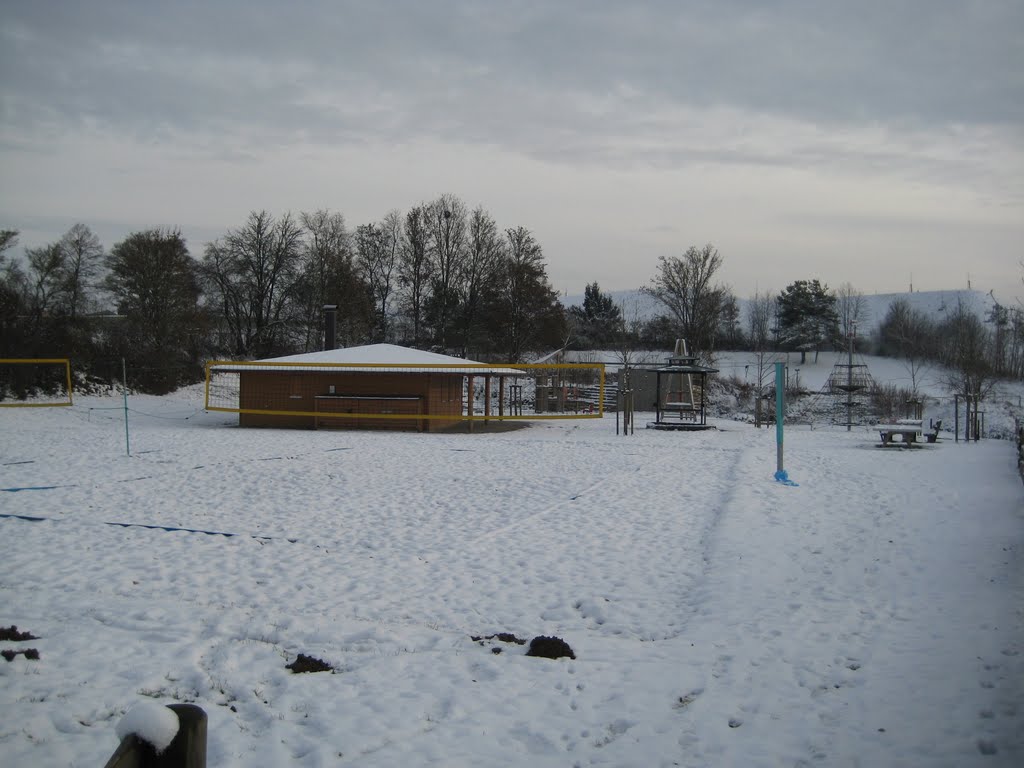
(873, 142)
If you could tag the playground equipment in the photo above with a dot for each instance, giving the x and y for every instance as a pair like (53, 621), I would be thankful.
(849, 380)
(624, 402)
(680, 387)
(974, 417)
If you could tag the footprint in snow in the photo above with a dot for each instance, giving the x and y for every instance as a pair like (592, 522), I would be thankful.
(987, 747)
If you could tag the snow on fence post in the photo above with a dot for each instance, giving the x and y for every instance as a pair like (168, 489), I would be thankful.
(186, 750)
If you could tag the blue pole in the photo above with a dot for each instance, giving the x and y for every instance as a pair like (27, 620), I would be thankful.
(779, 411)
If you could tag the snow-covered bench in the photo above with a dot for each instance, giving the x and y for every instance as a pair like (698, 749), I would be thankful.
(685, 411)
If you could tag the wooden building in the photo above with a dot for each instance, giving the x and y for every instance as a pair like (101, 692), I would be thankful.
(379, 386)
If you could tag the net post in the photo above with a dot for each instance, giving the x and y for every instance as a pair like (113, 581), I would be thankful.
(124, 392)
(67, 369)
(779, 410)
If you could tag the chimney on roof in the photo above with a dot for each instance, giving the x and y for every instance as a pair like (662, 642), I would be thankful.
(330, 325)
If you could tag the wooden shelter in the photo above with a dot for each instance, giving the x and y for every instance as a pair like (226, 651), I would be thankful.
(347, 388)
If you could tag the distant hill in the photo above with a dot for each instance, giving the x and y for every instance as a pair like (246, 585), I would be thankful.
(934, 304)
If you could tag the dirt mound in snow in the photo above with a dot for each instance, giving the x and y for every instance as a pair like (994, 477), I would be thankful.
(550, 648)
(306, 663)
(11, 633)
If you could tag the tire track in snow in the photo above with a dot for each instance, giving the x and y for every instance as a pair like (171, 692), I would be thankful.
(696, 597)
(532, 518)
(793, 646)
(523, 561)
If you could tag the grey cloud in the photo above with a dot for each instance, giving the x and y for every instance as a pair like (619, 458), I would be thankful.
(513, 74)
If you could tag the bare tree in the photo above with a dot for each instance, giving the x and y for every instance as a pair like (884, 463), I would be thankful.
(627, 346)
(906, 333)
(44, 282)
(377, 248)
(1015, 346)
(966, 343)
(484, 248)
(999, 318)
(414, 270)
(12, 293)
(683, 285)
(325, 268)
(252, 273)
(761, 312)
(8, 239)
(446, 222)
(852, 308)
(83, 258)
(730, 330)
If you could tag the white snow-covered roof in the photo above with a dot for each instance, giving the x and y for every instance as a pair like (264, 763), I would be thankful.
(384, 355)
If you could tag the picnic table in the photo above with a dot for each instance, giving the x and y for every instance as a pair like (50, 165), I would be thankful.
(898, 433)
(906, 432)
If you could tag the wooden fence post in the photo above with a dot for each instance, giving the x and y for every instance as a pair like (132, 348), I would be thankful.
(187, 750)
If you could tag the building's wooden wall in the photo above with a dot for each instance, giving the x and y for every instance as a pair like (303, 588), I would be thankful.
(438, 394)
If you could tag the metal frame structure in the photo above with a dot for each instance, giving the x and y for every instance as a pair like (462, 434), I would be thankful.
(66, 362)
(681, 412)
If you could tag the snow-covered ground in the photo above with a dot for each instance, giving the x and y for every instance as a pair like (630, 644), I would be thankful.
(873, 615)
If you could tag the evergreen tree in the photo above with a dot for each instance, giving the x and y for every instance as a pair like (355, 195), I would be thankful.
(807, 317)
(156, 285)
(598, 322)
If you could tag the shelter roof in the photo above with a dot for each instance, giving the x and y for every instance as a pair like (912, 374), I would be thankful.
(376, 355)
(685, 365)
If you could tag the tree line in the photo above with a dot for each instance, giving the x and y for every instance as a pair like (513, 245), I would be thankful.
(807, 316)
(804, 317)
(977, 351)
(439, 276)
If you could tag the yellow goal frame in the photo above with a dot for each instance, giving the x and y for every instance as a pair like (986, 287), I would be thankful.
(66, 362)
